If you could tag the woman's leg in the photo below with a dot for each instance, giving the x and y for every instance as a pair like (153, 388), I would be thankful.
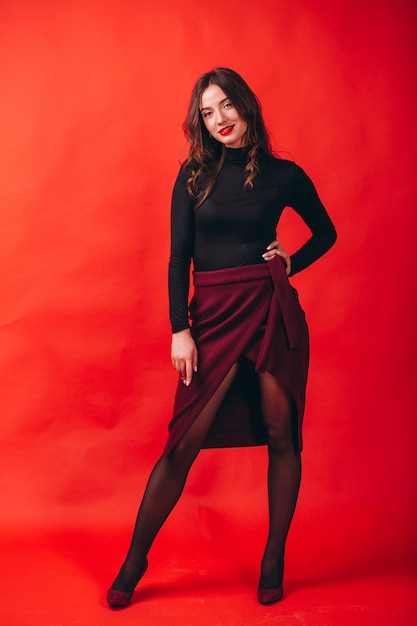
(284, 474)
(164, 488)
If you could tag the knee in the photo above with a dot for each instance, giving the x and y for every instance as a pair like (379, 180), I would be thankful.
(280, 440)
(183, 455)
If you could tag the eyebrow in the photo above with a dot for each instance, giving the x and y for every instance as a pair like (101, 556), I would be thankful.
(221, 102)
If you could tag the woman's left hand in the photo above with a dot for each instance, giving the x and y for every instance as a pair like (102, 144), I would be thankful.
(275, 249)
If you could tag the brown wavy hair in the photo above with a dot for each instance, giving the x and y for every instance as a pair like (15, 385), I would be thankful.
(206, 155)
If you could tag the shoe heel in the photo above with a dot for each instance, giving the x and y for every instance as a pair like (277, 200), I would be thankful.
(121, 599)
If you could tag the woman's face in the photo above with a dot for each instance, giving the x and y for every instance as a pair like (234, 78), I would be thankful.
(221, 119)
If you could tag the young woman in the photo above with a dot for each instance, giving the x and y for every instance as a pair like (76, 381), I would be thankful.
(243, 359)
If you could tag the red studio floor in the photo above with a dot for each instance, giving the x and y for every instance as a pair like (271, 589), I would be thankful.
(59, 578)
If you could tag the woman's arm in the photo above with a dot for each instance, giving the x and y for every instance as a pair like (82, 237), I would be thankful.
(182, 246)
(183, 350)
(306, 202)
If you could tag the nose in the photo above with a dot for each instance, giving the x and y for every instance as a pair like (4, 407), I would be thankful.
(221, 117)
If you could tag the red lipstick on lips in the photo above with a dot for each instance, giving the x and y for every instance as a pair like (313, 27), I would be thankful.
(226, 131)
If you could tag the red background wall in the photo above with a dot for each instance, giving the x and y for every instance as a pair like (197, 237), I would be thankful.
(93, 95)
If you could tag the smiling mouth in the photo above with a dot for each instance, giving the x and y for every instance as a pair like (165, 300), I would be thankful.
(226, 131)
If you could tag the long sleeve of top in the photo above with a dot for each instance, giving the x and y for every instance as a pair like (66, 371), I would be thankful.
(233, 226)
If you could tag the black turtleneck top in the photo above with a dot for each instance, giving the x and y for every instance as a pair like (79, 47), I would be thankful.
(233, 226)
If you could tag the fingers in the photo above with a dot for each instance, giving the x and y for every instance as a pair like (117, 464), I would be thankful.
(275, 249)
(274, 244)
(195, 361)
(183, 369)
(184, 355)
(186, 368)
(272, 250)
(188, 373)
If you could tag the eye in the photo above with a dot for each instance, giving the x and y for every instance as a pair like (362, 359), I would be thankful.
(207, 113)
(227, 105)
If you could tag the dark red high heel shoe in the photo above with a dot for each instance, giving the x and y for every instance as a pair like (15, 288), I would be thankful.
(270, 596)
(121, 599)
(274, 594)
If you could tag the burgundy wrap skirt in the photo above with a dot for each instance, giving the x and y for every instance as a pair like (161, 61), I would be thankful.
(249, 315)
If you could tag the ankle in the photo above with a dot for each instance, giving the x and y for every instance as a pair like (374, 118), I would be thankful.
(272, 571)
(272, 557)
(129, 575)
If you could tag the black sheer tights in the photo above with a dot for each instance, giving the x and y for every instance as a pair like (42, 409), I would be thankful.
(169, 475)
(284, 474)
(164, 488)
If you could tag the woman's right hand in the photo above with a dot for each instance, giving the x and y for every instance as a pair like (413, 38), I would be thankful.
(184, 355)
